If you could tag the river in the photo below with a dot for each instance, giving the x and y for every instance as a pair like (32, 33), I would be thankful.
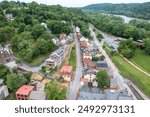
(128, 19)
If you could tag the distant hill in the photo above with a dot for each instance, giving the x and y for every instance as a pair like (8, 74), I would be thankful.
(139, 10)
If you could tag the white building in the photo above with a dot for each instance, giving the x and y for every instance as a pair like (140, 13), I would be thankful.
(87, 55)
(89, 77)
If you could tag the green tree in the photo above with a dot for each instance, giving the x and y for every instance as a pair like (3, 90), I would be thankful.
(95, 58)
(42, 46)
(15, 81)
(127, 48)
(37, 30)
(3, 72)
(54, 92)
(6, 33)
(103, 80)
(147, 46)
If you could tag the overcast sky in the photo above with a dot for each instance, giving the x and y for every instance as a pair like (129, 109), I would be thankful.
(79, 3)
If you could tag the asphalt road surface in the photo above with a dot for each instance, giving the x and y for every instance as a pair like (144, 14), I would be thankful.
(75, 84)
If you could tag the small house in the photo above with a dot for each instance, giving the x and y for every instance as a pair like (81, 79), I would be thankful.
(66, 73)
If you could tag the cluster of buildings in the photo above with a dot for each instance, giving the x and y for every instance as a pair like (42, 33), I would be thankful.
(62, 40)
(93, 62)
(34, 90)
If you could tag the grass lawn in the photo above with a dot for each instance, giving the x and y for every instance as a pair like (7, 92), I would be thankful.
(141, 60)
(73, 58)
(128, 71)
(38, 60)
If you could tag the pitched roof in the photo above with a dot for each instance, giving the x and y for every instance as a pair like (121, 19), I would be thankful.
(89, 63)
(101, 64)
(61, 51)
(84, 80)
(84, 44)
(87, 93)
(66, 69)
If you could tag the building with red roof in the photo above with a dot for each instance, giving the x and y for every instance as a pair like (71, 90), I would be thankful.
(66, 73)
(24, 92)
(84, 44)
(89, 63)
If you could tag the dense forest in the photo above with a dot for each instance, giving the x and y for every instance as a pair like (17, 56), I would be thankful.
(33, 25)
(138, 10)
(135, 29)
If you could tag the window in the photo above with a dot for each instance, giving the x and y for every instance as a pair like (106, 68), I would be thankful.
(18, 94)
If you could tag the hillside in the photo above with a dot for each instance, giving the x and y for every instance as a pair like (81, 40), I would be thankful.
(139, 10)
(30, 27)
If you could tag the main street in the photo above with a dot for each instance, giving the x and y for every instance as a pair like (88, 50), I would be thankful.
(111, 40)
(75, 84)
(111, 65)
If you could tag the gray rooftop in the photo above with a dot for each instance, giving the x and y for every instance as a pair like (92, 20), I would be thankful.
(117, 95)
(89, 71)
(87, 93)
(102, 65)
(91, 96)
(61, 51)
(113, 81)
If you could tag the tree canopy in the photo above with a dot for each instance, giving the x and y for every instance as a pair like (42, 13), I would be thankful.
(138, 10)
(147, 46)
(54, 92)
(127, 48)
(15, 81)
(3, 72)
(103, 80)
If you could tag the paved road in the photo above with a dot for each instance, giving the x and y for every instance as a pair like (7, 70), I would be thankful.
(111, 65)
(111, 40)
(74, 85)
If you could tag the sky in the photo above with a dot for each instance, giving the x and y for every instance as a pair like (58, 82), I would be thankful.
(81, 3)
